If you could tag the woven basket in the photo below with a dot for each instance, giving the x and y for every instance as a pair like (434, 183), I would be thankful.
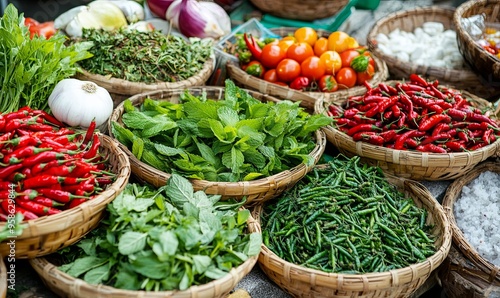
(413, 164)
(407, 21)
(304, 282)
(65, 285)
(307, 98)
(255, 191)
(305, 10)
(120, 89)
(487, 271)
(3, 278)
(483, 63)
(48, 234)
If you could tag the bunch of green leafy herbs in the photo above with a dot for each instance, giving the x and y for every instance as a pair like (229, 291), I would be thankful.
(237, 138)
(148, 57)
(30, 68)
(164, 239)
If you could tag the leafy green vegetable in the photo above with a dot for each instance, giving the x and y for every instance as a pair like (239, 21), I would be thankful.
(163, 239)
(148, 57)
(238, 138)
(30, 68)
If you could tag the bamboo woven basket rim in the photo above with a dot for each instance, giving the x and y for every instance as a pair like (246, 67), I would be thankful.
(307, 97)
(255, 191)
(474, 54)
(308, 10)
(124, 87)
(491, 272)
(365, 284)
(450, 76)
(3, 278)
(61, 282)
(37, 230)
(453, 164)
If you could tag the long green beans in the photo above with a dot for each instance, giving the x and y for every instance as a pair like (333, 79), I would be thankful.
(346, 218)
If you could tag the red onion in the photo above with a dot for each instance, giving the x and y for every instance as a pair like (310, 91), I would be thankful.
(159, 7)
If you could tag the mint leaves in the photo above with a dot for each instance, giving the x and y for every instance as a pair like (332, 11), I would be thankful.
(234, 139)
(164, 239)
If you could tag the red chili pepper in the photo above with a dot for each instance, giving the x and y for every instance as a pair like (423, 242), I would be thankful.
(368, 106)
(350, 113)
(62, 170)
(92, 152)
(401, 139)
(389, 135)
(76, 202)
(20, 114)
(300, 83)
(44, 201)
(396, 111)
(432, 139)
(48, 117)
(478, 146)
(10, 208)
(252, 46)
(431, 148)
(410, 87)
(367, 86)
(38, 168)
(335, 110)
(437, 109)
(437, 92)
(362, 127)
(471, 116)
(104, 180)
(39, 127)
(48, 180)
(454, 146)
(23, 152)
(369, 137)
(432, 121)
(53, 134)
(36, 208)
(60, 196)
(82, 169)
(6, 185)
(411, 143)
(9, 170)
(42, 158)
(345, 122)
(457, 114)
(416, 79)
(411, 114)
(486, 136)
(388, 103)
(387, 115)
(22, 141)
(402, 120)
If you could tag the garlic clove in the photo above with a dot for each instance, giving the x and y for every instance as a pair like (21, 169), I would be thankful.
(63, 20)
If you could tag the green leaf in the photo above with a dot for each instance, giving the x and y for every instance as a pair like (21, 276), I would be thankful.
(97, 275)
(166, 246)
(142, 204)
(243, 216)
(233, 159)
(147, 264)
(218, 130)
(252, 176)
(122, 134)
(201, 263)
(150, 158)
(168, 151)
(214, 273)
(138, 147)
(128, 106)
(132, 242)
(208, 154)
(200, 110)
(157, 128)
(254, 245)
(126, 278)
(228, 116)
(179, 190)
(84, 264)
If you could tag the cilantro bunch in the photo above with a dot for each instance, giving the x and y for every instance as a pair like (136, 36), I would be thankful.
(238, 138)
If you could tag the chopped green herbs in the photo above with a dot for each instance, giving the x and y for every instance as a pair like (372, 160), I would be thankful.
(238, 138)
(164, 239)
(30, 68)
(148, 57)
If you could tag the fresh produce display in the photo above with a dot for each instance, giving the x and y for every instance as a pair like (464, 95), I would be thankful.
(148, 57)
(429, 44)
(100, 14)
(416, 115)
(346, 218)
(203, 19)
(490, 40)
(476, 213)
(31, 67)
(46, 167)
(235, 139)
(45, 29)
(306, 61)
(164, 239)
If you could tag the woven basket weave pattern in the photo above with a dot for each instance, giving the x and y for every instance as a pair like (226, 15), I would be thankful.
(483, 63)
(67, 286)
(305, 10)
(48, 234)
(303, 282)
(489, 272)
(256, 191)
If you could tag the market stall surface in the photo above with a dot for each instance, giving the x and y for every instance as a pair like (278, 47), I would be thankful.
(256, 284)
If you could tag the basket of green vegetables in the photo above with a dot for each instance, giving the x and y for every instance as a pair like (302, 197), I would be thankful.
(346, 230)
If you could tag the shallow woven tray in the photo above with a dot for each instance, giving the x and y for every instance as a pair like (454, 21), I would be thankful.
(305, 10)
(255, 191)
(413, 164)
(408, 20)
(120, 89)
(308, 99)
(483, 63)
(490, 273)
(48, 234)
(304, 282)
(65, 285)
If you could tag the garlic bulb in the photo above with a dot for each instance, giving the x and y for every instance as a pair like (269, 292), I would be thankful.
(77, 103)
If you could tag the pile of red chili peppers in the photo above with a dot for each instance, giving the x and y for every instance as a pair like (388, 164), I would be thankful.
(416, 115)
(45, 167)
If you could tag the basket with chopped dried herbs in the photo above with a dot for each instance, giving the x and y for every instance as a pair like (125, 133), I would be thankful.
(128, 62)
